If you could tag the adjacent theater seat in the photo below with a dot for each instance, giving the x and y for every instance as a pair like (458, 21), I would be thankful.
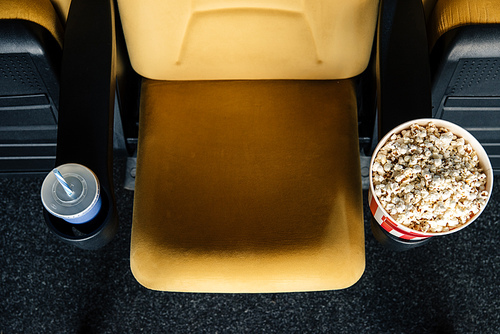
(31, 37)
(464, 36)
(462, 71)
(248, 176)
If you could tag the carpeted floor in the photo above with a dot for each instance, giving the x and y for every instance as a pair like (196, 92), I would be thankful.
(450, 285)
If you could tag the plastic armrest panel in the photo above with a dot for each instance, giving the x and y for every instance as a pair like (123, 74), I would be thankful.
(403, 72)
(85, 125)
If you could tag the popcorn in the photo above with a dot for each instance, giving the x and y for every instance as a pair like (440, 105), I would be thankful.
(428, 179)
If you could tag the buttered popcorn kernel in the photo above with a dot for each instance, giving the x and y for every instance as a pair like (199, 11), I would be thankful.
(428, 179)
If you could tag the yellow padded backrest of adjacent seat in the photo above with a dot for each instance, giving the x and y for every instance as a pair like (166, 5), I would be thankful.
(450, 14)
(248, 39)
(38, 11)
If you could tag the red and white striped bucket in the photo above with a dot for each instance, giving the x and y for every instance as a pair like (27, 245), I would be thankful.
(384, 219)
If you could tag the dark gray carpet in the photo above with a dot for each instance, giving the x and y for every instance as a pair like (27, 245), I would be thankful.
(450, 285)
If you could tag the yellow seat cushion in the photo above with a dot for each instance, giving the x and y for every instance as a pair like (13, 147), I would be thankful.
(248, 39)
(450, 14)
(248, 186)
(38, 11)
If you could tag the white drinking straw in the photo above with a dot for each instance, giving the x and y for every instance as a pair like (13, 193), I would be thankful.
(63, 182)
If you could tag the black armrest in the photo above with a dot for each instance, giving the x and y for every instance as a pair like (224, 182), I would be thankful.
(403, 80)
(85, 124)
(403, 72)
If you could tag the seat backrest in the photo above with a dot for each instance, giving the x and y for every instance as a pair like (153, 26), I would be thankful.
(31, 37)
(248, 39)
(464, 40)
(450, 14)
(38, 11)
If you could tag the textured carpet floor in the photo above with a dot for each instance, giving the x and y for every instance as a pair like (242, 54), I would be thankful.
(450, 285)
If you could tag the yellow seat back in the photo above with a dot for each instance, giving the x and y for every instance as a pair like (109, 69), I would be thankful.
(248, 39)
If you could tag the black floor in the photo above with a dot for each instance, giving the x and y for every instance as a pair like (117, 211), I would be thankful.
(450, 285)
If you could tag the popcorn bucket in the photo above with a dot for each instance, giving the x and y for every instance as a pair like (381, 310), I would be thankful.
(404, 233)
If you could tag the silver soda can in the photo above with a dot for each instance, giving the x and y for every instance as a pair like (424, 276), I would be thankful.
(72, 192)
